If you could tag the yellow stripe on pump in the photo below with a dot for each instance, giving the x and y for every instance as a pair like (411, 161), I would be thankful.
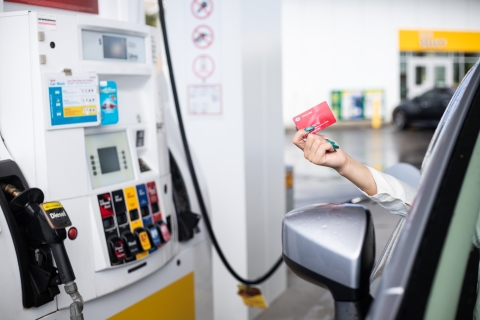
(176, 301)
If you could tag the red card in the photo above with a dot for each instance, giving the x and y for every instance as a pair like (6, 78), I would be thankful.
(319, 116)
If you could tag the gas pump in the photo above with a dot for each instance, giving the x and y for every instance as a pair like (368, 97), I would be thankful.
(84, 104)
(85, 126)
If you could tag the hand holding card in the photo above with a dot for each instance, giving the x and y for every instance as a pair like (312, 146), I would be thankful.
(319, 116)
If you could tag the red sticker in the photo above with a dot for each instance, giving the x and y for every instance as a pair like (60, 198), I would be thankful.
(153, 197)
(320, 116)
(105, 204)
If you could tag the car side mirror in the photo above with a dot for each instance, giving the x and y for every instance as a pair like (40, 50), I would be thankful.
(333, 246)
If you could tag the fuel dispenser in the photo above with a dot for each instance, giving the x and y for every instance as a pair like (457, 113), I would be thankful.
(81, 120)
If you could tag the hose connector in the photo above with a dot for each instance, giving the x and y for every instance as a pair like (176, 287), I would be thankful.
(10, 189)
(76, 307)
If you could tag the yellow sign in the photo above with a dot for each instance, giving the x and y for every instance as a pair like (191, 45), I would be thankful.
(439, 41)
(79, 111)
(144, 241)
(51, 205)
(252, 296)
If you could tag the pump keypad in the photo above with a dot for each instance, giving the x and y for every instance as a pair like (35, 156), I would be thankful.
(132, 222)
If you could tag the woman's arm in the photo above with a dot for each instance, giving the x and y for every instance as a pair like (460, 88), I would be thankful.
(391, 193)
(319, 151)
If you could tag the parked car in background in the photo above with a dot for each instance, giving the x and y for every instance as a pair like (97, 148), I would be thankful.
(426, 109)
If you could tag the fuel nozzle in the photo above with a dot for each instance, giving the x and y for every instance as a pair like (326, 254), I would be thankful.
(46, 224)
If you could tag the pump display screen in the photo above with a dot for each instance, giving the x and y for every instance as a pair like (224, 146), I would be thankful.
(114, 47)
(108, 160)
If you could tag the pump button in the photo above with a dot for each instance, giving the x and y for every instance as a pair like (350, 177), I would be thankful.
(72, 233)
(131, 244)
(117, 250)
(164, 231)
(142, 237)
(153, 235)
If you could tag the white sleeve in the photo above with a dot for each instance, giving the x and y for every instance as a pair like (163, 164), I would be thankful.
(392, 194)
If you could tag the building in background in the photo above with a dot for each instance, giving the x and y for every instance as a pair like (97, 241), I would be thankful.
(430, 58)
(364, 57)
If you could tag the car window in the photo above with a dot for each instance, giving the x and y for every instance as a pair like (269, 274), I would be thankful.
(451, 108)
(446, 91)
(428, 95)
(444, 95)
(453, 293)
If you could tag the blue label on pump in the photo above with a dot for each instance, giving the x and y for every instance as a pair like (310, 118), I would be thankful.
(142, 195)
(109, 102)
(147, 217)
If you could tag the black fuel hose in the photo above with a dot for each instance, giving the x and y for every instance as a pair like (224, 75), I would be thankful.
(196, 185)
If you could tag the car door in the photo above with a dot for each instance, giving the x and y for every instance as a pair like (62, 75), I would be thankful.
(430, 273)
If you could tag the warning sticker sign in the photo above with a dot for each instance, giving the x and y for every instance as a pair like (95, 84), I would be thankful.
(203, 66)
(202, 36)
(46, 22)
(201, 9)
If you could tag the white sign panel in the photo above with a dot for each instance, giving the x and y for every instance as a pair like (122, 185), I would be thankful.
(205, 99)
(204, 83)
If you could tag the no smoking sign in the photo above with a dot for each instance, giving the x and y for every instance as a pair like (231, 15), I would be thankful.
(203, 66)
(201, 9)
(202, 36)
